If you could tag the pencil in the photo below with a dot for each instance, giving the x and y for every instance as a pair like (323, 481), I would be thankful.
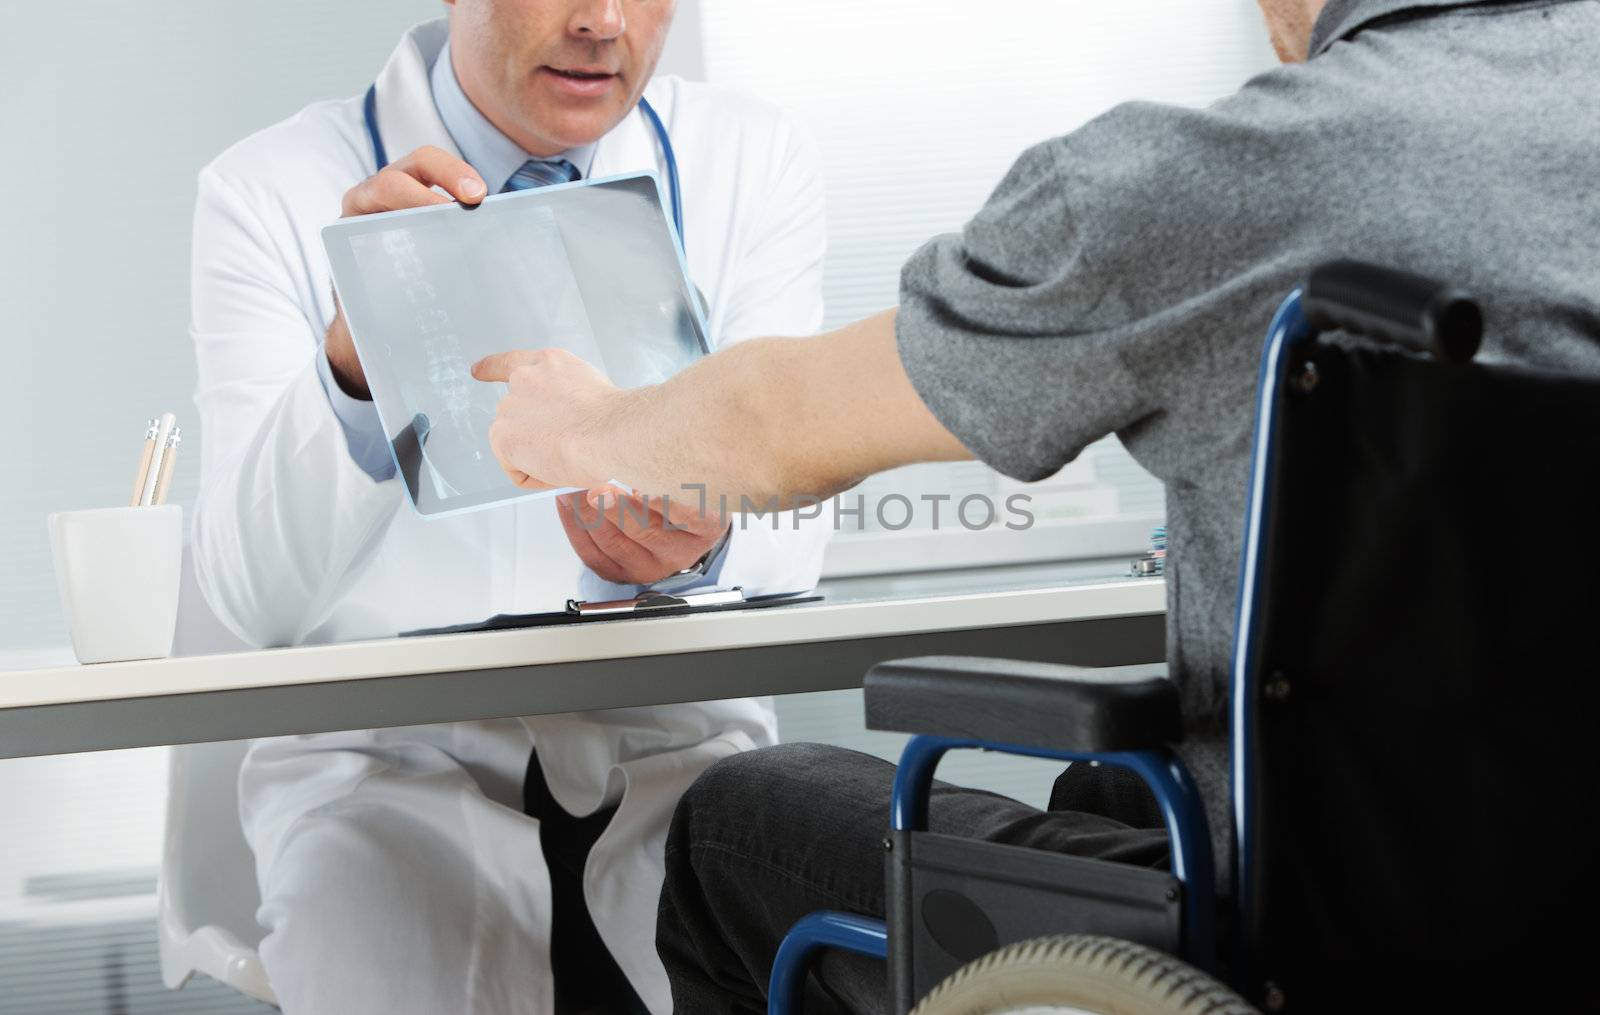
(144, 460)
(168, 462)
(148, 494)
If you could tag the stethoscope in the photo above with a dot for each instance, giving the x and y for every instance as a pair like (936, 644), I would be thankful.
(675, 196)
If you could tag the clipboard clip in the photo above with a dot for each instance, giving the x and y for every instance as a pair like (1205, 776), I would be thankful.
(650, 602)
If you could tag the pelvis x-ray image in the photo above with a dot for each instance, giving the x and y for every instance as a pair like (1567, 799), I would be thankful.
(592, 269)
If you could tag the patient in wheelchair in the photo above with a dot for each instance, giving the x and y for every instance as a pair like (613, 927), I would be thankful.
(1119, 280)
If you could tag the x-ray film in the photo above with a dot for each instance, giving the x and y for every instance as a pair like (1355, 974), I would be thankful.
(591, 267)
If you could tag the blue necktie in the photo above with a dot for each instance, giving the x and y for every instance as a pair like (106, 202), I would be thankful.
(541, 173)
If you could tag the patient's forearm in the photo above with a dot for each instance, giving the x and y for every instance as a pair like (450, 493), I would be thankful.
(777, 418)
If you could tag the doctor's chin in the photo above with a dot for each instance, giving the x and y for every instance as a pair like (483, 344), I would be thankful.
(633, 507)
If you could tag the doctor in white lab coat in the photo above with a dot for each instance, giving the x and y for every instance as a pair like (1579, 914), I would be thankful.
(397, 867)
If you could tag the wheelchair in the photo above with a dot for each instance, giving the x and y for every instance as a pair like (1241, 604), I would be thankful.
(1411, 719)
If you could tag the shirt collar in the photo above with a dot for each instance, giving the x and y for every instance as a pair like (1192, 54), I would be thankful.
(495, 156)
(1341, 19)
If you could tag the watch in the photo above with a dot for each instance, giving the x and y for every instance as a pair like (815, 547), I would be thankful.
(696, 571)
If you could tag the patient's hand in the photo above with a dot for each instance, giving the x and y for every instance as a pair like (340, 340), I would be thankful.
(541, 428)
(542, 437)
(633, 540)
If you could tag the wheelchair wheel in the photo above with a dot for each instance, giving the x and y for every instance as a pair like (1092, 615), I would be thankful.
(1080, 973)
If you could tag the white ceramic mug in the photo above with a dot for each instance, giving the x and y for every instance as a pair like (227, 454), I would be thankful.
(118, 570)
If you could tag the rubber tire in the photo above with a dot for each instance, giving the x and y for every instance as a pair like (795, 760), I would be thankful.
(1082, 971)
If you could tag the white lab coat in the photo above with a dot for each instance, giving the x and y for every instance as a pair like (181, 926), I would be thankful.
(397, 870)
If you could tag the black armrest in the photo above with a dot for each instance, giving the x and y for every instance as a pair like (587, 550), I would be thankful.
(1007, 701)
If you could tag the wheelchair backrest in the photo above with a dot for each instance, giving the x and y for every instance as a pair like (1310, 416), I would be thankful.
(1422, 680)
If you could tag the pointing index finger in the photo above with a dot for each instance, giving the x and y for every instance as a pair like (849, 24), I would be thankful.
(499, 366)
(493, 368)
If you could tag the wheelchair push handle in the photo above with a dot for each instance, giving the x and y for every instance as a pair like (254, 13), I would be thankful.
(1395, 306)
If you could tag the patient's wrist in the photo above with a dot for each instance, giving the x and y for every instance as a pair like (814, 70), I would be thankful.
(596, 449)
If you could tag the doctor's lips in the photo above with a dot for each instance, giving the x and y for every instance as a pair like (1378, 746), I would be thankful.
(581, 81)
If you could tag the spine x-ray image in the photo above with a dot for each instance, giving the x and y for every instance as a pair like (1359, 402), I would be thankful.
(591, 268)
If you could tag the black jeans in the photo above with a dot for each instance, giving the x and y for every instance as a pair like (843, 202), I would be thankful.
(588, 980)
(763, 838)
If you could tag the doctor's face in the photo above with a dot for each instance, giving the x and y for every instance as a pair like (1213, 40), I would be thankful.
(556, 74)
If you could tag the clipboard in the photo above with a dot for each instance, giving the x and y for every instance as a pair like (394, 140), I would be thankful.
(649, 604)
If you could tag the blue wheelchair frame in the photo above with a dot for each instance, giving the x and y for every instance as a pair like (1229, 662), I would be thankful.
(1174, 789)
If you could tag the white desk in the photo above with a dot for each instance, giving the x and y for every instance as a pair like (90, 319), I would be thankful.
(1087, 613)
